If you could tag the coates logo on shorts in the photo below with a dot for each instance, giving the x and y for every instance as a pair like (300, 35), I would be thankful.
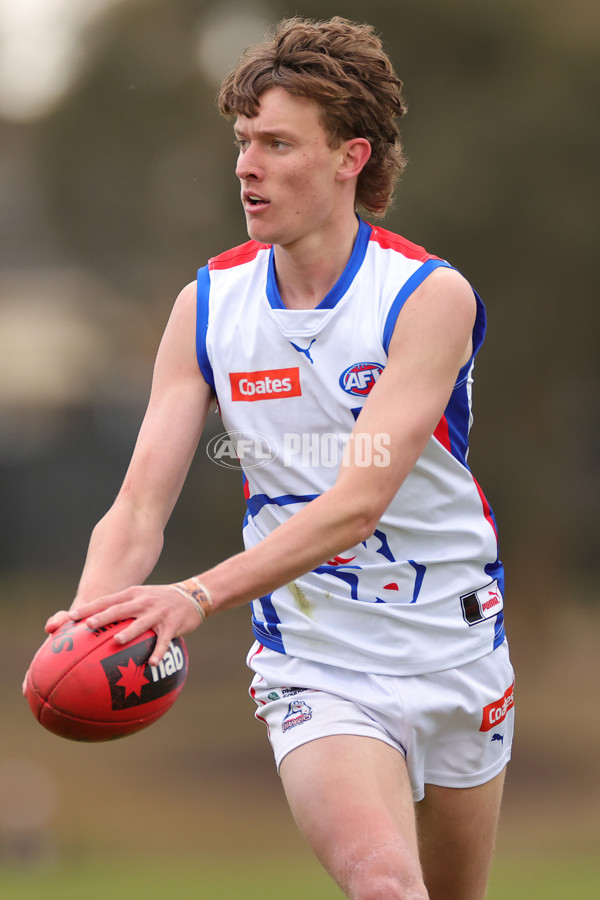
(298, 712)
(359, 378)
(231, 449)
(266, 384)
(496, 712)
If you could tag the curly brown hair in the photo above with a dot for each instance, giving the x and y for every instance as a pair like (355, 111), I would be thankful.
(342, 66)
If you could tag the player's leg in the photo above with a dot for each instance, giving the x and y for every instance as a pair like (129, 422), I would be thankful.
(457, 831)
(351, 798)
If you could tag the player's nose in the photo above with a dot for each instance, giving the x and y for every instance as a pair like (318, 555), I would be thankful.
(249, 164)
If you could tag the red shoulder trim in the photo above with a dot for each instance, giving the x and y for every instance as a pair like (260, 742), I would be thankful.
(390, 241)
(237, 256)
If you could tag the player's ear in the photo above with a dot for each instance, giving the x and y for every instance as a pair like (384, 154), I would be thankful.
(355, 155)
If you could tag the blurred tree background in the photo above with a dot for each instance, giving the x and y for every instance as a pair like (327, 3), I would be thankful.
(116, 177)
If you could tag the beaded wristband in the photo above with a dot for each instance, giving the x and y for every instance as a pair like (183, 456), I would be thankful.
(197, 595)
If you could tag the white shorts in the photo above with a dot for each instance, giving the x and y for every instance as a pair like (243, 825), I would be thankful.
(454, 727)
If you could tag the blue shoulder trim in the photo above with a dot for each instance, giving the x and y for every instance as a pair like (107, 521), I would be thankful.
(479, 329)
(202, 295)
(409, 286)
(480, 324)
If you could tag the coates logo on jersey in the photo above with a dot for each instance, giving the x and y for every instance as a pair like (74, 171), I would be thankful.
(359, 378)
(267, 384)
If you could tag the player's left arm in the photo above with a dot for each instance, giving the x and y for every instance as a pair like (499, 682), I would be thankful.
(431, 342)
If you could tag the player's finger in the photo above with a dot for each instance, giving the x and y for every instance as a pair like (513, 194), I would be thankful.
(56, 620)
(114, 614)
(101, 604)
(137, 627)
(160, 648)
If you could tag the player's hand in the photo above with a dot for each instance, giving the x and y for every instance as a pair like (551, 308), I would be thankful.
(157, 607)
(53, 624)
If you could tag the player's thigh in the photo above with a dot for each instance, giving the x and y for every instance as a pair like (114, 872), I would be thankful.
(457, 831)
(350, 796)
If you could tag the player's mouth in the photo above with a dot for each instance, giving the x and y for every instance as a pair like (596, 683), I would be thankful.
(254, 203)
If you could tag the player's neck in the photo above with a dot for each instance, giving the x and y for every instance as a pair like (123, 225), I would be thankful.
(306, 271)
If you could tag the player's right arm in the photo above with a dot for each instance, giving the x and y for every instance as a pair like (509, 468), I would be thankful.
(126, 543)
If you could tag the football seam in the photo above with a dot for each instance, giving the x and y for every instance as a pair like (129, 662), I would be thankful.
(74, 718)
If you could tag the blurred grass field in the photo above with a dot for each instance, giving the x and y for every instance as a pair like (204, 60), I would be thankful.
(194, 808)
(268, 879)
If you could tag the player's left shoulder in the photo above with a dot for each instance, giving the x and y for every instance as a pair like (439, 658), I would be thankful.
(446, 294)
(438, 318)
(447, 283)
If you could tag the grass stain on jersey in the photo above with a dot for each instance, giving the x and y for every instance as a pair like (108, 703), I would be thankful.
(300, 599)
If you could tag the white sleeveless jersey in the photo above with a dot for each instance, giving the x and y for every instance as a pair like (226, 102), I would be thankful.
(424, 593)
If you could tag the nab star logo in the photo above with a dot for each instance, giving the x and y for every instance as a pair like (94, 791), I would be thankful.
(133, 682)
(359, 378)
(132, 678)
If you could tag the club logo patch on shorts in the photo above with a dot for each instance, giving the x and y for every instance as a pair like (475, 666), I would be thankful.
(298, 712)
(496, 712)
(482, 604)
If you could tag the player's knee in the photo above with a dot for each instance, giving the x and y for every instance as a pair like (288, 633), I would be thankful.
(382, 876)
(389, 887)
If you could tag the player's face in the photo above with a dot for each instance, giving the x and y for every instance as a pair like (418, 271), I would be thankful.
(288, 171)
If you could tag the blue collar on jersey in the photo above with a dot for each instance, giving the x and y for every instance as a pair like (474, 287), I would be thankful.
(342, 284)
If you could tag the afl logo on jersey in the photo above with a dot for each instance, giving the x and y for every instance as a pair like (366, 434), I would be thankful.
(359, 378)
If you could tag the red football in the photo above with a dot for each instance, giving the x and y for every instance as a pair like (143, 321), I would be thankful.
(85, 686)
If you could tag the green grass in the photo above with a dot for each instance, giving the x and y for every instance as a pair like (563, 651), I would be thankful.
(550, 879)
(273, 879)
(268, 879)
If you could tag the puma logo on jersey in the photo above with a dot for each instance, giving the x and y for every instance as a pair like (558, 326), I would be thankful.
(267, 384)
(306, 351)
(482, 604)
